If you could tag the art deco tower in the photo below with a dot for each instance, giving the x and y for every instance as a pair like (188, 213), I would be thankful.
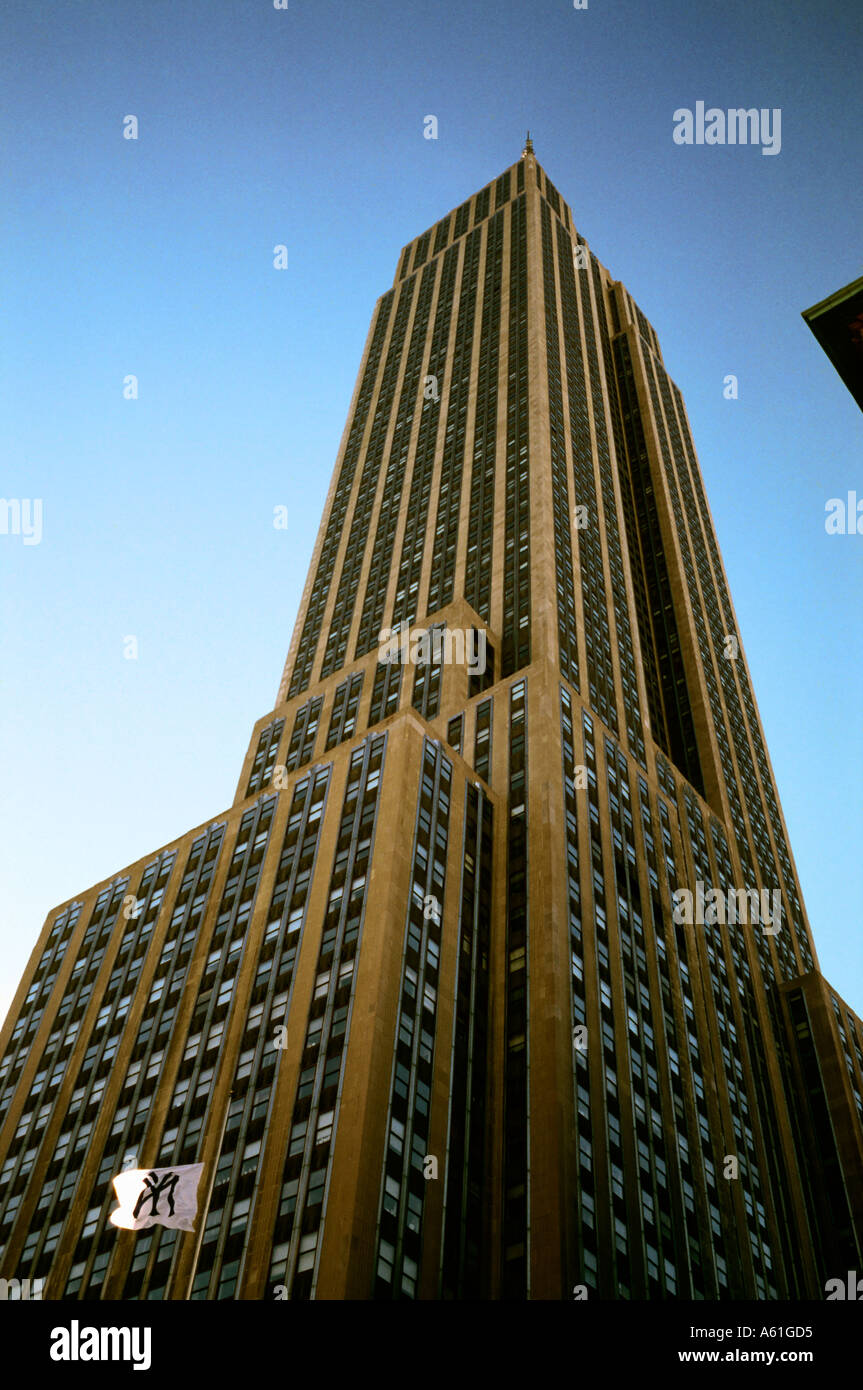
(422, 1001)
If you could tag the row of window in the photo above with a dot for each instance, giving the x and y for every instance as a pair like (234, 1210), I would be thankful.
(400, 1215)
(308, 643)
(336, 647)
(413, 397)
(516, 1173)
(299, 1223)
(457, 222)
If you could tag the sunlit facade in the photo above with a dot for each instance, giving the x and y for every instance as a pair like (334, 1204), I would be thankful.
(427, 1000)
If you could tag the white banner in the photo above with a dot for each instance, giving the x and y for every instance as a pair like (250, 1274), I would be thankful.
(157, 1196)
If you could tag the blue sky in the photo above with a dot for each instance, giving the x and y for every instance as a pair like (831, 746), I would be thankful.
(304, 127)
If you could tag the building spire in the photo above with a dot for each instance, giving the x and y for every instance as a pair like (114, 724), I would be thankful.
(528, 146)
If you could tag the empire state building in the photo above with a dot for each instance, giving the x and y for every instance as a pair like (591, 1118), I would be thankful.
(495, 979)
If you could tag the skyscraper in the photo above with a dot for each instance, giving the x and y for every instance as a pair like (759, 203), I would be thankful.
(495, 980)
(837, 323)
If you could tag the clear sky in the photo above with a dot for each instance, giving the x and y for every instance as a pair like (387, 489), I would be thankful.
(304, 127)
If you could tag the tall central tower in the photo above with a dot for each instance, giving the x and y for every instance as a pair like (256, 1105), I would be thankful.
(496, 980)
